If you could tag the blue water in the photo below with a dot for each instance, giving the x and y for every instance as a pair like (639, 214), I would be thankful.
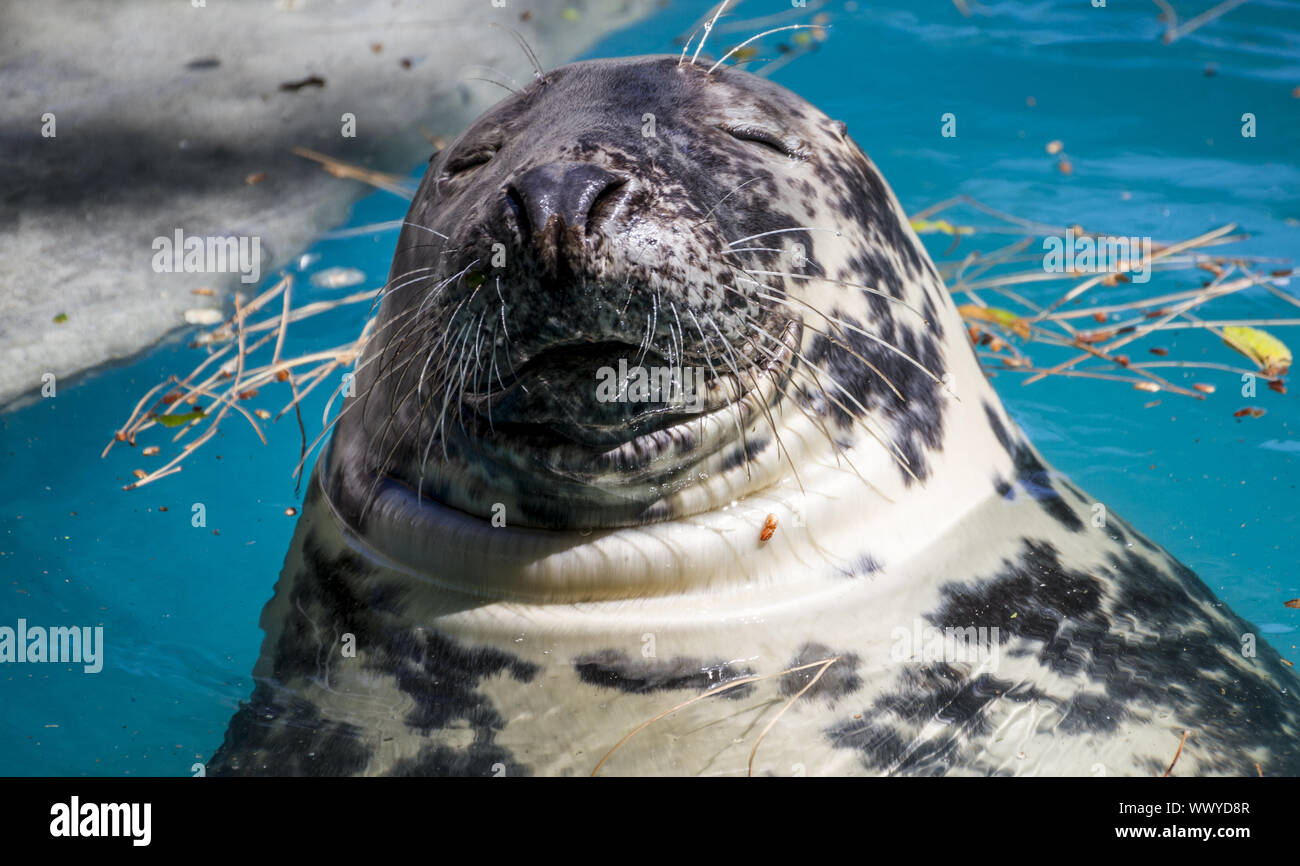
(1156, 149)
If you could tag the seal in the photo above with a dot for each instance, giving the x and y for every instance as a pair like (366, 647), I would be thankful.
(669, 455)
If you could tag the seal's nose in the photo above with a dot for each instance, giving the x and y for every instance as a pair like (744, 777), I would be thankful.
(569, 192)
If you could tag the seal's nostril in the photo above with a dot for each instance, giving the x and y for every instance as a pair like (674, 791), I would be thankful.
(516, 204)
(602, 206)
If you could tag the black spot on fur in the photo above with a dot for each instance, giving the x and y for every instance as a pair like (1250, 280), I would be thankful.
(616, 670)
(1000, 430)
(1033, 476)
(840, 678)
(862, 566)
(1036, 480)
(1035, 598)
(748, 450)
(884, 732)
(481, 759)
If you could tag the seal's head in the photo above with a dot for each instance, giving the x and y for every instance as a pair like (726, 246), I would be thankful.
(638, 290)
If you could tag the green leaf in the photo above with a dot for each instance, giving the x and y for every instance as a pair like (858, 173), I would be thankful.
(179, 420)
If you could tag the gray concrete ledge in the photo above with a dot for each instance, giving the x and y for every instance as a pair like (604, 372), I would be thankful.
(162, 110)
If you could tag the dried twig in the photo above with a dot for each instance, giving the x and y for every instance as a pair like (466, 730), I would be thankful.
(239, 377)
(1015, 276)
(788, 705)
(1174, 32)
(396, 184)
(1177, 754)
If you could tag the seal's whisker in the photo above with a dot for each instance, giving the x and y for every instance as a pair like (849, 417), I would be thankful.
(504, 330)
(757, 325)
(445, 250)
(651, 325)
(868, 289)
(468, 364)
(492, 366)
(388, 287)
(425, 229)
(528, 50)
(724, 198)
(775, 18)
(433, 433)
(388, 365)
(836, 449)
(817, 422)
(808, 372)
(510, 362)
(417, 421)
(893, 449)
(807, 259)
(408, 315)
(888, 345)
(811, 367)
(835, 232)
(854, 328)
(830, 337)
(708, 359)
(762, 404)
(394, 405)
(676, 336)
(385, 289)
(400, 337)
(382, 471)
(442, 416)
(687, 47)
(831, 319)
(440, 342)
(707, 27)
(384, 292)
(744, 440)
(326, 427)
(513, 86)
(760, 36)
(437, 290)
(478, 344)
(342, 384)
(444, 379)
(388, 353)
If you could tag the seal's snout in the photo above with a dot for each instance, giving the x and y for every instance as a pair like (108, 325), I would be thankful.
(552, 201)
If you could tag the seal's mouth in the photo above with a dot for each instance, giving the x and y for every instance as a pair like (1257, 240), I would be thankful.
(594, 394)
(610, 405)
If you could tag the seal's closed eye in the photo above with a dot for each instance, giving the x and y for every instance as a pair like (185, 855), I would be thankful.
(469, 159)
(787, 146)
